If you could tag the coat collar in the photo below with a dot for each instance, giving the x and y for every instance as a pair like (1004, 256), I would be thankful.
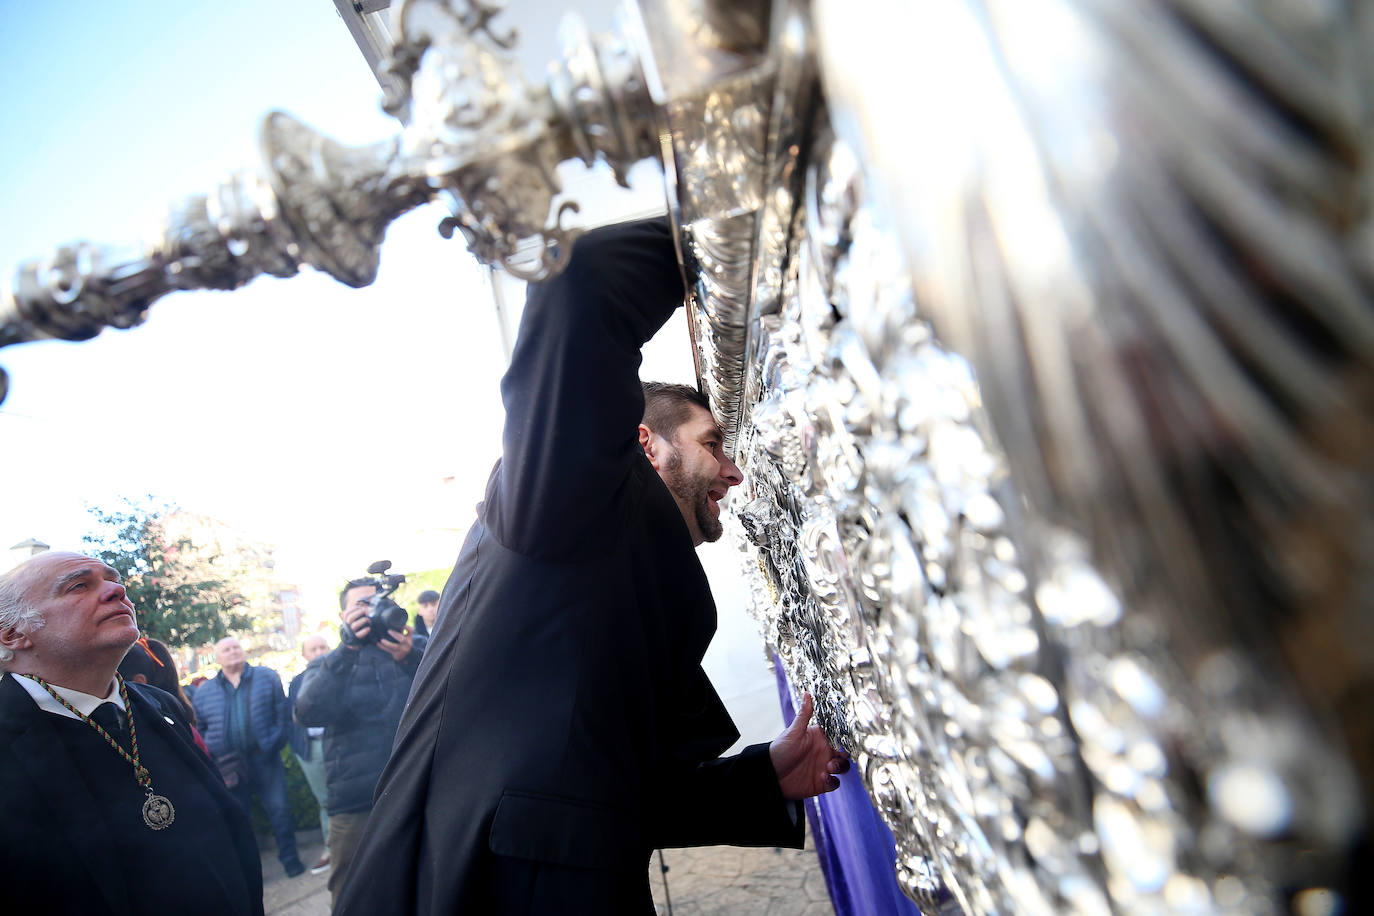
(244, 678)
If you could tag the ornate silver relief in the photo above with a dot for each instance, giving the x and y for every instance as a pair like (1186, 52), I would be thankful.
(1101, 695)
(1051, 378)
(474, 133)
(1031, 737)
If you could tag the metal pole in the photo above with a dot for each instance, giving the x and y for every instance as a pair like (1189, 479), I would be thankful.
(663, 869)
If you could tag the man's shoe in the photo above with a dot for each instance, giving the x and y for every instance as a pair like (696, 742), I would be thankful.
(293, 868)
(321, 866)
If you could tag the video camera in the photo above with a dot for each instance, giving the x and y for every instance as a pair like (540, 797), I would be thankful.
(384, 614)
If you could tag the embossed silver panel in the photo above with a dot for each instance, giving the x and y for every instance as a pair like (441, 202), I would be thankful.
(1042, 330)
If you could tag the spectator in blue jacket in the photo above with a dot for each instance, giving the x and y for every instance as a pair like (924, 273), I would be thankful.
(245, 719)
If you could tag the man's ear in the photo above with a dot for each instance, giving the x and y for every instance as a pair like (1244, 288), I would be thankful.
(649, 441)
(12, 639)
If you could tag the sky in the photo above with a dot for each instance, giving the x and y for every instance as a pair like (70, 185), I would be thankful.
(342, 426)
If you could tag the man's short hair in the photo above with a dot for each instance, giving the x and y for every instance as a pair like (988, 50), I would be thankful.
(428, 596)
(352, 584)
(16, 610)
(668, 405)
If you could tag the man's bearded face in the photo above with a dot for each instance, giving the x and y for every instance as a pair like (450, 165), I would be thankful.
(694, 492)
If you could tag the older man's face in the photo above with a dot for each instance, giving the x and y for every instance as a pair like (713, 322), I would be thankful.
(314, 647)
(229, 653)
(85, 610)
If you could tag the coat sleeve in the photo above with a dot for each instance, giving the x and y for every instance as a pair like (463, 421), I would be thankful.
(729, 801)
(322, 700)
(572, 393)
(274, 739)
(298, 739)
(209, 705)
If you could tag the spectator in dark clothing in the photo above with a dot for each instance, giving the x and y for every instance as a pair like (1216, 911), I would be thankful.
(308, 746)
(357, 693)
(246, 722)
(190, 690)
(150, 662)
(427, 613)
(109, 807)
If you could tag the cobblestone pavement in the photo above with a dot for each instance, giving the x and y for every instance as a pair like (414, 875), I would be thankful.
(730, 880)
(710, 881)
(306, 895)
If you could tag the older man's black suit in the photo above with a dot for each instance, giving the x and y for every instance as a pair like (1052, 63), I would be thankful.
(75, 841)
(561, 726)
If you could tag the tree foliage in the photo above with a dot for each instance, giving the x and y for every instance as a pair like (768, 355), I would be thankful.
(417, 582)
(184, 596)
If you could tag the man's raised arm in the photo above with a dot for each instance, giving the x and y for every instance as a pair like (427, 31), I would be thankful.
(572, 394)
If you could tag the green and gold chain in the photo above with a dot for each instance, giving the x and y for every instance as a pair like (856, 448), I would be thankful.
(140, 773)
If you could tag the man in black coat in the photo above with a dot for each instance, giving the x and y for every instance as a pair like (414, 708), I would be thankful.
(125, 817)
(561, 726)
(356, 693)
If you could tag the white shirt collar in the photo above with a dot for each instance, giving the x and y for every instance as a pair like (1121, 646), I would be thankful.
(82, 701)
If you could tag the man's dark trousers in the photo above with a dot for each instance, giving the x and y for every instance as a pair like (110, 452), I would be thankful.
(269, 782)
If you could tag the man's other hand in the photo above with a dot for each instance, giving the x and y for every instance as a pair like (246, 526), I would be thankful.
(355, 618)
(399, 645)
(805, 762)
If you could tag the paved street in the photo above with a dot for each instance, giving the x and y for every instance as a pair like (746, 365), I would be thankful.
(712, 881)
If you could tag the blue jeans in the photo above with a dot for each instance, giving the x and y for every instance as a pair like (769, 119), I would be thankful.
(269, 784)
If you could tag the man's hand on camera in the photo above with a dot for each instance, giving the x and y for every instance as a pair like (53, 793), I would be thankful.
(399, 645)
(355, 618)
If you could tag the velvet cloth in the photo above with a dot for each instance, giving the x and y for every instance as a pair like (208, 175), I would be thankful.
(561, 726)
(854, 846)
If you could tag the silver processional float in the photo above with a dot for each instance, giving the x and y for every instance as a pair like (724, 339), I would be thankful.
(1043, 333)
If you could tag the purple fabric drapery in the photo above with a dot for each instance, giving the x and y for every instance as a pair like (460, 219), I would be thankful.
(855, 848)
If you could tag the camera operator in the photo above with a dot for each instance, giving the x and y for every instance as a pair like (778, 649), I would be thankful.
(357, 692)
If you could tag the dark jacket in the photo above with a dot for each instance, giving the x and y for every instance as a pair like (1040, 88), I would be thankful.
(561, 726)
(75, 842)
(299, 740)
(269, 719)
(358, 697)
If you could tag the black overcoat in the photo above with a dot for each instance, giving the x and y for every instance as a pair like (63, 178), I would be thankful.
(561, 725)
(75, 843)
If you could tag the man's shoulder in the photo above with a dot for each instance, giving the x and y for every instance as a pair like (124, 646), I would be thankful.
(262, 671)
(15, 702)
(158, 698)
(207, 689)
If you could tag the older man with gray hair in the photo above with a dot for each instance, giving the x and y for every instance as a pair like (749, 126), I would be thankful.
(110, 807)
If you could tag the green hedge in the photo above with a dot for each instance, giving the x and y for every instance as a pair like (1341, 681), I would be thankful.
(305, 812)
